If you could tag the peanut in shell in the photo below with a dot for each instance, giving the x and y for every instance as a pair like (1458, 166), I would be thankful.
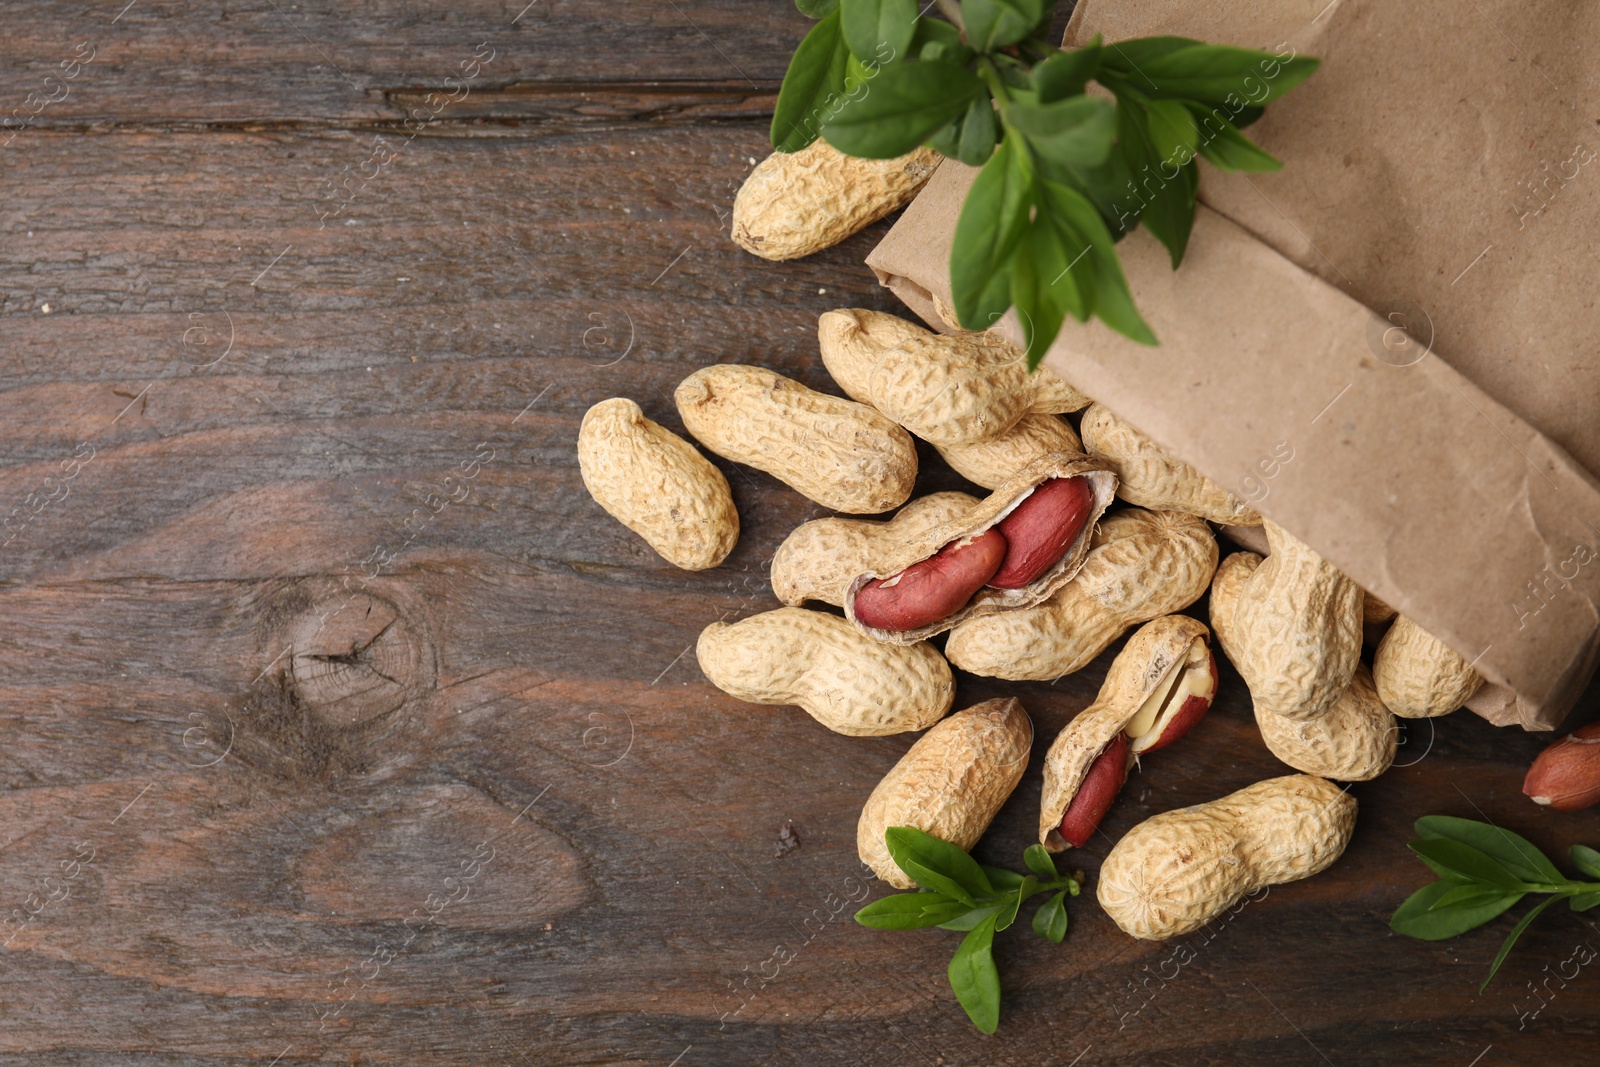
(1153, 478)
(951, 783)
(657, 485)
(842, 454)
(796, 203)
(1419, 676)
(1176, 871)
(843, 679)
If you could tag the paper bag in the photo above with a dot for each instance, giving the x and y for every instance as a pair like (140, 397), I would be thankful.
(1390, 345)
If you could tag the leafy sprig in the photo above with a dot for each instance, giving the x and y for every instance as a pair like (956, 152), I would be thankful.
(1065, 175)
(959, 893)
(1484, 871)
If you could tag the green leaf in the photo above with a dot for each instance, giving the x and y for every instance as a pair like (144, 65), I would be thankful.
(1452, 859)
(978, 133)
(993, 24)
(1511, 939)
(1067, 73)
(1077, 131)
(1172, 131)
(905, 105)
(939, 40)
(1175, 68)
(1169, 212)
(1010, 904)
(1584, 901)
(988, 231)
(975, 978)
(1515, 853)
(814, 82)
(1045, 283)
(1468, 895)
(1002, 878)
(1224, 147)
(910, 911)
(937, 865)
(1585, 859)
(1050, 921)
(879, 30)
(1418, 918)
(1113, 303)
(972, 919)
(1039, 862)
(816, 9)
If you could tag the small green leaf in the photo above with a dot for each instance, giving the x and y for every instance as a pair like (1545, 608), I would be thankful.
(1172, 131)
(975, 978)
(978, 133)
(1584, 901)
(1077, 131)
(1468, 895)
(1113, 303)
(1067, 73)
(1452, 859)
(1169, 213)
(1039, 862)
(910, 911)
(1417, 917)
(1050, 921)
(993, 24)
(1010, 904)
(1515, 853)
(1003, 879)
(972, 919)
(1585, 859)
(1224, 147)
(1511, 939)
(1175, 68)
(814, 83)
(906, 105)
(937, 865)
(988, 231)
(816, 9)
(1045, 284)
(879, 30)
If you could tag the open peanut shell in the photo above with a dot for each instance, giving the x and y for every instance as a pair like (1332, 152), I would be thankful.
(983, 515)
(1148, 678)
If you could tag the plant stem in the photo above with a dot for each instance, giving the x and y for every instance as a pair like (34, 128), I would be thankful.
(997, 84)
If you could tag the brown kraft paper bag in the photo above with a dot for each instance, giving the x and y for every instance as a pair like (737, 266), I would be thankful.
(1389, 346)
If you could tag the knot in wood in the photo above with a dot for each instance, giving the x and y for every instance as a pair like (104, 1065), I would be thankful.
(349, 658)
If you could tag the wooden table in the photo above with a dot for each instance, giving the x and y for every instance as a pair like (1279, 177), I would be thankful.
(341, 726)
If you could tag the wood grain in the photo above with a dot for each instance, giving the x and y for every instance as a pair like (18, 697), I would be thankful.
(511, 823)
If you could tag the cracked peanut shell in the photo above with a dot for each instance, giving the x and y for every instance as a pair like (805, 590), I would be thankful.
(821, 557)
(1142, 565)
(951, 784)
(980, 517)
(657, 485)
(1151, 656)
